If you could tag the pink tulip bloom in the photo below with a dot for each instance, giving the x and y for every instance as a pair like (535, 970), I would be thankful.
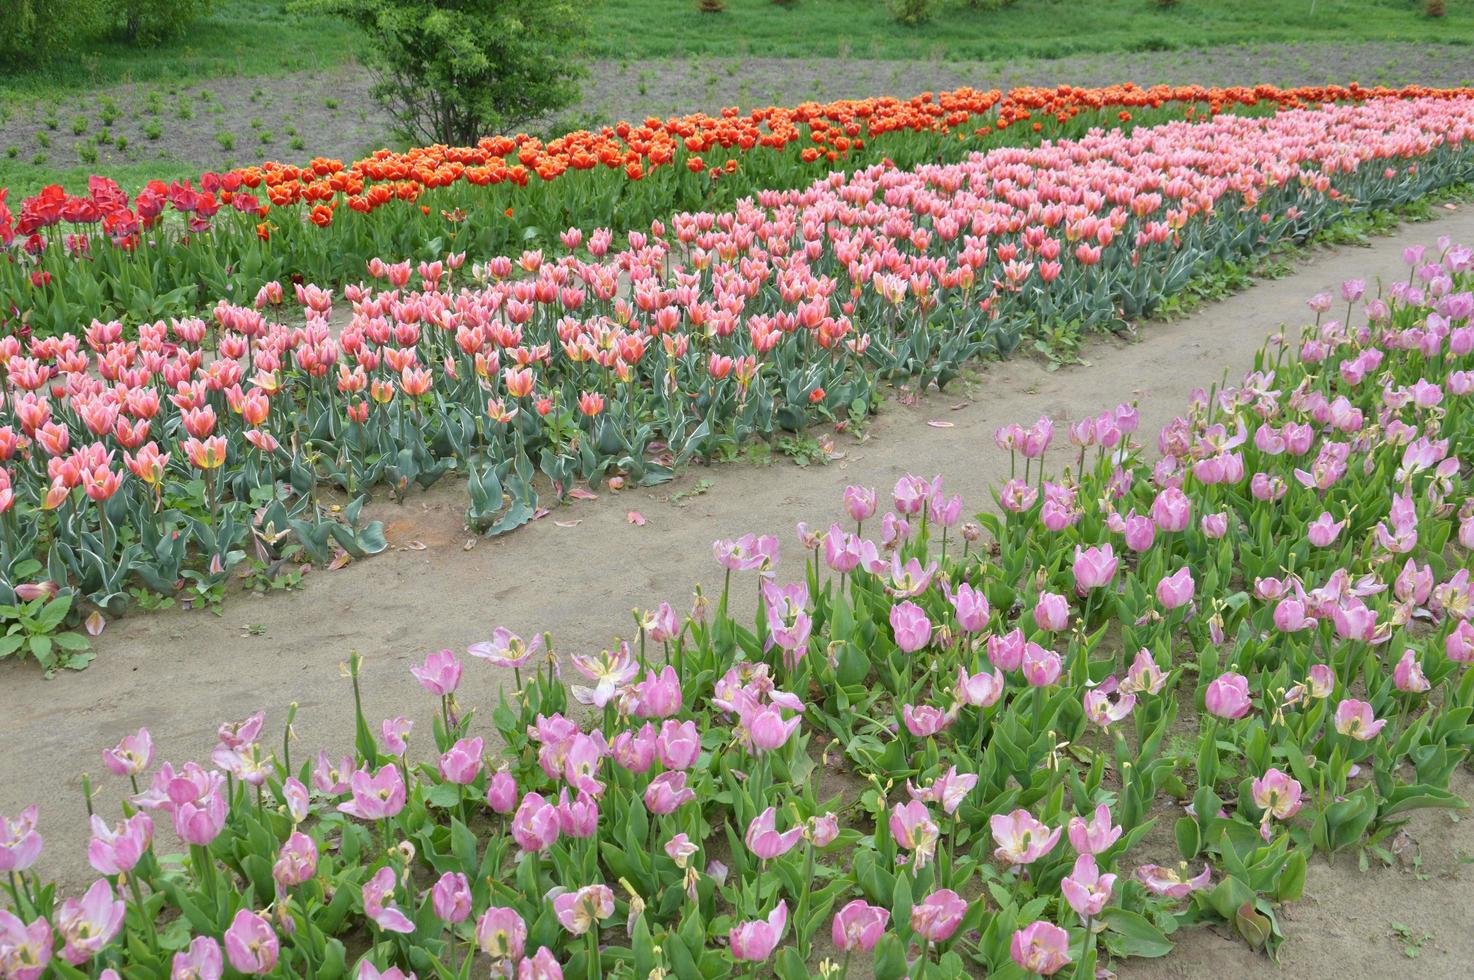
(395, 733)
(859, 503)
(924, 721)
(678, 744)
(949, 789)
(911, 626)
(1041, 667)
(367, 971)
(578, 818)
(1020, 838)
(762, 837)
(936, 917)
(20, 844)
(610, 671)
(1140, 532)
(658, 696)
(506, 649)
(1408, 674)
(1228, 696)
(296, 862)
(542, 965)
(1096, 836)
(1144, 677)
(332, 780)
(131, 756)
(766, 729)
(680, 850)
(580, 911)
(1458, 646)
(913, 828)
(822, 830)
(981, 690)
(970, 605)
(535, 825)
(858, 926)
(450, 897)
(1323, 530)
(440, 674)
(667, 793)
(1094, 567)
(754, 942)
(298, 801)
(908, 579)
(199, 821)
(201, 961)
(378, 903)
(582, 762)
(748, 553)
(1290, 616)
(501, 933)
(501, 792)
(376, 796)
(1041, 947)
(1006, 652)
(1171, 883)
(1104, 708)
(1277, 794)
(1322, 681)
(1214, 526)
(462, 763)
(25, 950)
(1355, 620)
(1354, 718)
(251, 945)
(1052, 612)
(1086, 889)
(116, 850)
(635, 751)
(661, 626)
(1171, 510)
(1176, 590)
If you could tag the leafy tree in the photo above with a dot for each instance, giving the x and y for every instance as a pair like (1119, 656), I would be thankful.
(151, 21)
(32, 29)
(452, 71)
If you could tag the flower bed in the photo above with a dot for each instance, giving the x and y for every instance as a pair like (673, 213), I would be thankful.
(1287, 582)
(174, 247)
(163, 462)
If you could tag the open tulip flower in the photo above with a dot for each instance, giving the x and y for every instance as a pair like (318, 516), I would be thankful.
(1253, 629)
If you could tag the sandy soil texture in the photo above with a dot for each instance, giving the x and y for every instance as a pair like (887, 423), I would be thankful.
(580, 571)
(241, 121)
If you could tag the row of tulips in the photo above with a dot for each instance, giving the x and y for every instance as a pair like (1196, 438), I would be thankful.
(174, 247)
(163, 462)
(1286, 579)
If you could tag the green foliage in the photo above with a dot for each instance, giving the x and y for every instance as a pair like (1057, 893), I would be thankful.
(911, 12)
(148, 22)
(32, 29)
(34, 629)
(454, 70)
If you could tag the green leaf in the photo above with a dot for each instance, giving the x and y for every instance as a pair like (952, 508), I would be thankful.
(1138, 937)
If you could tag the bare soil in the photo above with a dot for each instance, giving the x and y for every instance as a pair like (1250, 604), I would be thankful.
(581, 570)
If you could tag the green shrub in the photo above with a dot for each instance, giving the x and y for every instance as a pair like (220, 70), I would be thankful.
(911, 12)
(451, 71)
(32, 29)
(151, 21)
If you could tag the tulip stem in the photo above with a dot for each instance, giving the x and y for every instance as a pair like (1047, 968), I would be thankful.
(150, 934)
(593, 940)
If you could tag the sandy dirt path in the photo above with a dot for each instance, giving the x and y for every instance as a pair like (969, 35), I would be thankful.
(181, 673)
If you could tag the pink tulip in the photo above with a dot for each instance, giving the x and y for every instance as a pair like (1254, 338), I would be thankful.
(1290, 616)
(1096, 836)
(395, 732)
(913, 828)
(911, 494)
(949, 789)
(462, 763)
(251, 945)
(451, 897)
(1041, 668)
(1214, 526)
(859, 503)
(767, 730)
(1094, 567)
(1041, 947)
(1323, 530)
(1144, 677)
(440, 674)
(367, 971)
(635, 751)
(25, 950)
(1277, 794)
(658, 696)
(754, 942)
(535, 825)
(1458, 646)
(1020, 838)
(924, 721)
(762, 837)
(90, 924)
(376, 796)
(680, 850)
(1176, 590)
(667, 793)
(1171, 510)
(501, 792)
(201, 961)
(506, 649)
(20, 845)
(296, 862)
(981, 690)
(1228, 696)
(1006, 652)
(1104, 708)
(1408, 674)
(541, 965)
(678, 745)
(1354, 718)
(1172, 883)
(936, 917)
(1052, 612)
(1086, 889)
(1140, 532)
(822, 830)
(117, 850)
(858, 927)
(131, 756)
(580, 911)
(578, 818)
(910, 625)
(501, 933)
(378, 903)
(971, 606)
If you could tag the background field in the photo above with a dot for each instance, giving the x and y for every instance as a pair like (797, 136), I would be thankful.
(252, 81)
